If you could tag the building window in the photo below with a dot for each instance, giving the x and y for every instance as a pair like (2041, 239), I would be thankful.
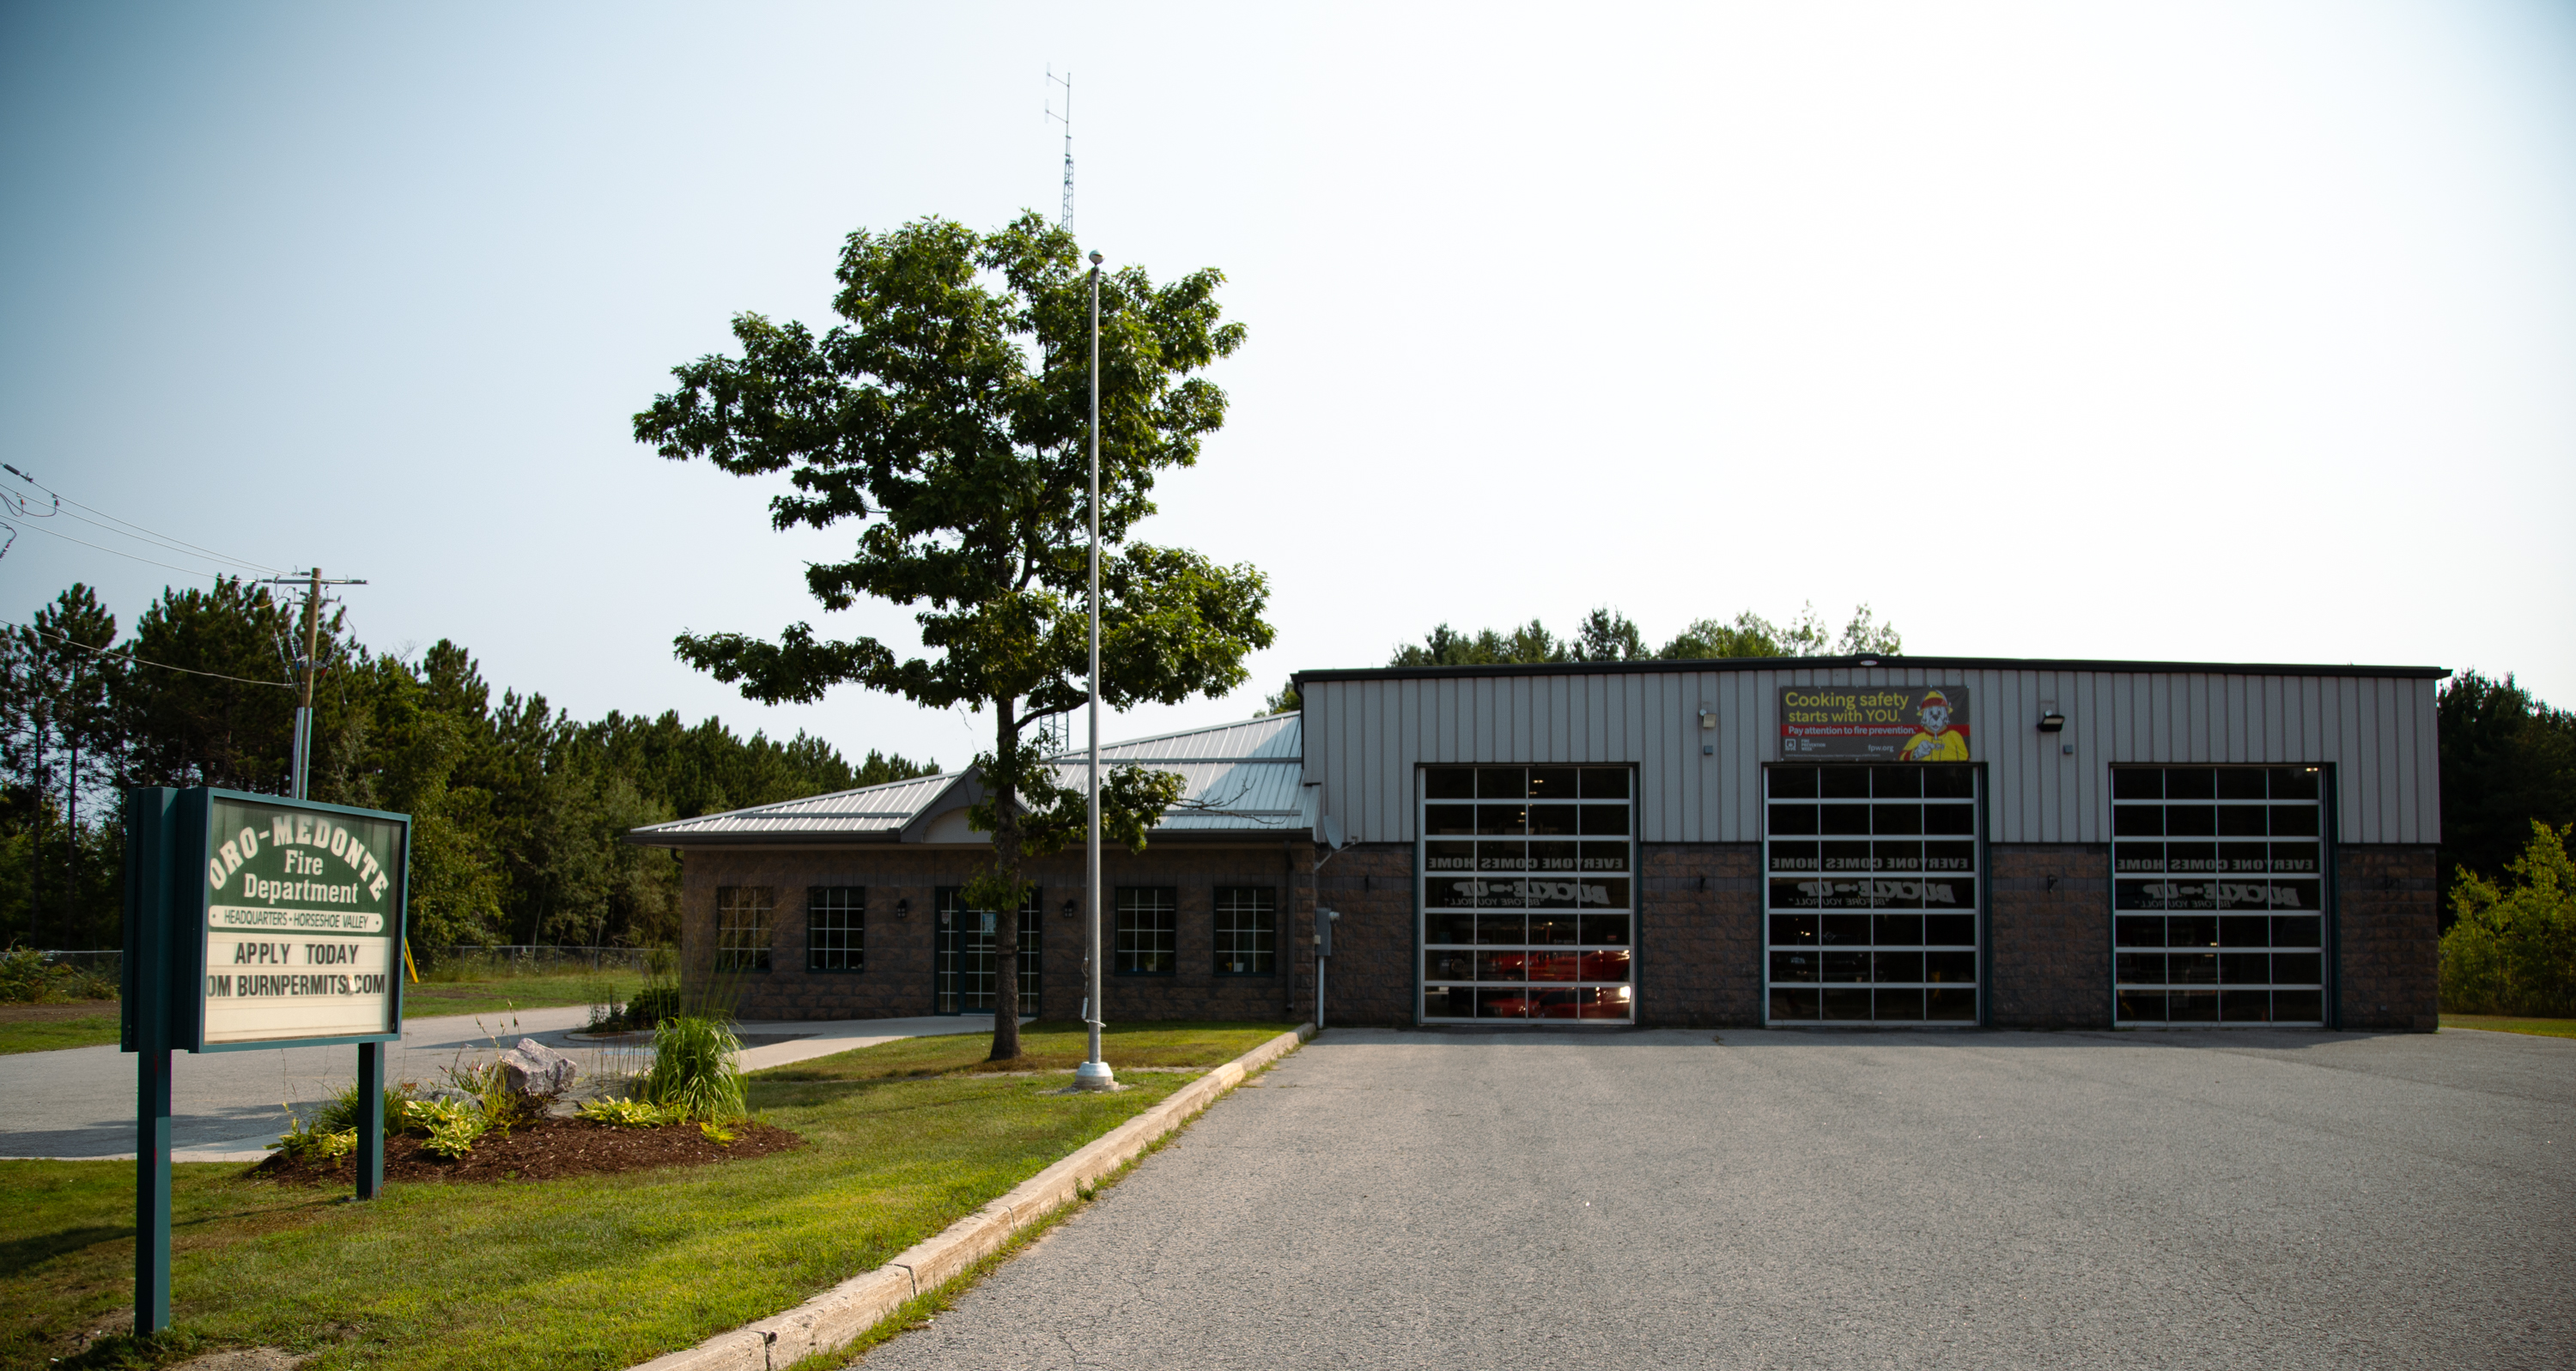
(742, 927)
(1870, 893)
(2218, 895)
(836, 928)
(1145, 937)
(1528, 896)
(1247, 930)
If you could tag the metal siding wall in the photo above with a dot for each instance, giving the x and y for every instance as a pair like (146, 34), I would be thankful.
(1364, 738)
(1681, 817)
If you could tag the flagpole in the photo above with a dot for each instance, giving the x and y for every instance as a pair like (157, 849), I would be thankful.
(1094, 1073)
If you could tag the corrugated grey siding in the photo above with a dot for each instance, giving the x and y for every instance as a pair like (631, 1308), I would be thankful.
(1364, 738)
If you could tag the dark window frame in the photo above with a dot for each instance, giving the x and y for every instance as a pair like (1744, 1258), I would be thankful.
(733, 956)
(1124, 953)
(1264, 956)
(851, 900)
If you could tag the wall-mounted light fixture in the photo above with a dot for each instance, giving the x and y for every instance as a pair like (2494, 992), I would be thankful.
(1707, 725)
(2052, 722)
(903, 909)
(1072, 909)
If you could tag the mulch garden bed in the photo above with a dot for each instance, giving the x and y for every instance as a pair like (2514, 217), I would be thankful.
(547, 1150)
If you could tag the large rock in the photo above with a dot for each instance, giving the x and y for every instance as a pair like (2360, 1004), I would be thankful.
(532, 1068)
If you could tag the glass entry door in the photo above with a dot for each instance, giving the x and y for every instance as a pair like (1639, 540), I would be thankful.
(1870, 894)
(965, 979)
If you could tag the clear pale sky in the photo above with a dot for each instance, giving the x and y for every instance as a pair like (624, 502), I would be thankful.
(2228, 332)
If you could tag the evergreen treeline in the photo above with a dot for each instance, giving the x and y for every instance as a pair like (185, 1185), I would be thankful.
(517, 807)
(2508, 761)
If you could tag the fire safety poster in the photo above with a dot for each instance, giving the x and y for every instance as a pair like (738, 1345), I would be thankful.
(1874, 723)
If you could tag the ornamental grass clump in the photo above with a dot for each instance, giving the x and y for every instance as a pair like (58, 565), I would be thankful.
(697, 1069)
(332, 1132)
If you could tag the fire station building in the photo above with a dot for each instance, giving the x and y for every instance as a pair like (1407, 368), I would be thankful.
(1905, 842)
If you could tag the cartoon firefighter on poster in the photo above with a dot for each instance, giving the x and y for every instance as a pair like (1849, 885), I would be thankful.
(1934, 740)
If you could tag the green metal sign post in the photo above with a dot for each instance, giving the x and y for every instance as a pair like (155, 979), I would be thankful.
(253, 921)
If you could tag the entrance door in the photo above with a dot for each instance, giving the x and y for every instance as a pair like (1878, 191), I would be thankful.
(965, 982)
(1870, 893)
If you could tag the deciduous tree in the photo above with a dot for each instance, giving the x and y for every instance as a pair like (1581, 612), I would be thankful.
(945, 417)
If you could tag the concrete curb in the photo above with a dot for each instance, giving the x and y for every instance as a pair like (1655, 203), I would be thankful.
(840, 1314)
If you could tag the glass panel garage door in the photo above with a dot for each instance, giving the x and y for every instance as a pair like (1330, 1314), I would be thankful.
(1528, 896)
(2218, 895)
(1870, 894)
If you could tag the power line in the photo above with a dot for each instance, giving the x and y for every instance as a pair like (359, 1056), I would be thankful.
(138, 661)
(165, 541)
(84, 542)
(166, 544)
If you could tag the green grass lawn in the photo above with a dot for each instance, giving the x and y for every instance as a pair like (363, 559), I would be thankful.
(2498, 1023)
(44, 1027)
(598, 1272)
(430, 999)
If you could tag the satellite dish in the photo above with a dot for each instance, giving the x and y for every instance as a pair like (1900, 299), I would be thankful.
(1329, 833)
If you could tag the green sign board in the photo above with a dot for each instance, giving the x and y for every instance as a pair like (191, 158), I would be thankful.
(253, 921)
(300, 923)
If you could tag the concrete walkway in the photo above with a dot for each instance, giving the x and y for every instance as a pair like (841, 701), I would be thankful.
(1807, 1199)
(228, 1106)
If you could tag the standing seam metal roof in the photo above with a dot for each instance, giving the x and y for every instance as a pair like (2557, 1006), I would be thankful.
(1236, 777)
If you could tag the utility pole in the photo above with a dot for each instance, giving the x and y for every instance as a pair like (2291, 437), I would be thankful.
(36, 868)
(299, 782)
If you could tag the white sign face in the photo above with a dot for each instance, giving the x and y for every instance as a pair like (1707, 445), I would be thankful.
(302, 912)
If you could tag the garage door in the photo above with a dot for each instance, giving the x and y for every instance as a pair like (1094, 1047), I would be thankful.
(2218, 895)
(1870, 894)
(1528, 894)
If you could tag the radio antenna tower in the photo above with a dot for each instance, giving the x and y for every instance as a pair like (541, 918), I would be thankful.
(1065, 220)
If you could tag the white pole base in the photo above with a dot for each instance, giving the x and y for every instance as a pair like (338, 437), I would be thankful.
(1094, 1076)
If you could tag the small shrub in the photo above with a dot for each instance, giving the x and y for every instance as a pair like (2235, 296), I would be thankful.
(23, 975)
(341, 1110)
(697, 1069)
(2512, 949)
(717, 1133)
(630, 1113)
(651, 1005)
(453, 1126)
(310, 1144)
(27, 978)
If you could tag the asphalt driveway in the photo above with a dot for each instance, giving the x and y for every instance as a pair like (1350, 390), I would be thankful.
(1806, 1200)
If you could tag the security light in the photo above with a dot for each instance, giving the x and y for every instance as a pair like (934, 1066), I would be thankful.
(1072, 908)
(903, 909)
(2052, 722)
